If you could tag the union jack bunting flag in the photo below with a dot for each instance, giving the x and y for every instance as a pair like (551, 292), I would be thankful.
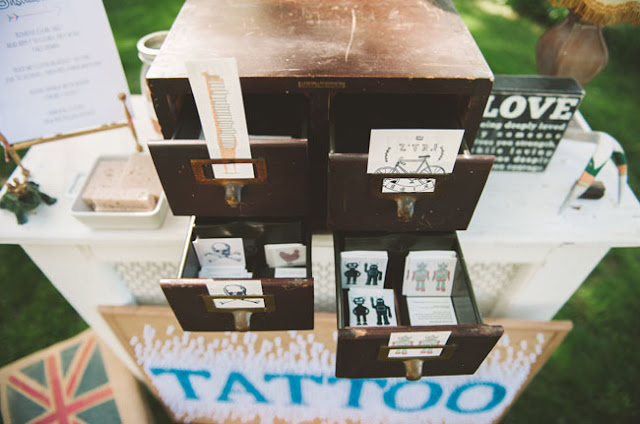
(62, 386)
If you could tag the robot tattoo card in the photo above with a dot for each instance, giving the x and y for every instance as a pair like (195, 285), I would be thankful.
(363, 269)
(372, 308)
(429, 273)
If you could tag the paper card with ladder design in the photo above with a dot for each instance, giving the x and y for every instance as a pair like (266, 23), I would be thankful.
(216, 88)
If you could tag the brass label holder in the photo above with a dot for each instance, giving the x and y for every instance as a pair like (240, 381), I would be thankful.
(241, 313)
(233, 186)
(406, 200)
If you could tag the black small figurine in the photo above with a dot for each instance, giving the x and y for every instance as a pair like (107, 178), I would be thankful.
(22, 197)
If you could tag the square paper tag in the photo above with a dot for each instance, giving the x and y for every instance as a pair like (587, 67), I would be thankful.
(363, 268)
(372, 308)
(284, 255)
(220, 252)
(429, 273)
(431, 311)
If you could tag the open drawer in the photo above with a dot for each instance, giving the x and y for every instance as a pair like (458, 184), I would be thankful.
(229, 279)
(376, 352)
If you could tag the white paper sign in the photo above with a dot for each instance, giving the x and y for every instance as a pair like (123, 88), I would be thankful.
(59, 68)
(216, 88)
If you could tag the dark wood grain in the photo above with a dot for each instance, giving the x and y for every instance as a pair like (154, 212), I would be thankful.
(356, 204)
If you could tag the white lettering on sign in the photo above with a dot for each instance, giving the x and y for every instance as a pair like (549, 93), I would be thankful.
(515, 106)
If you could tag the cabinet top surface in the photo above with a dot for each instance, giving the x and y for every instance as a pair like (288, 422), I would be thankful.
(324, 38)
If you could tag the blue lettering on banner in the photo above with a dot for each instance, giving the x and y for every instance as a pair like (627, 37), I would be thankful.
(183, 378)
(236, 377)
(435, 393)
(355, 391)
(499, 392)
(237, 383)
(295, 384)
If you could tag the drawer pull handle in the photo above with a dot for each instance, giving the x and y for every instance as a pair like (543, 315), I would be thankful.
(405, 201)
(232, 186)
(241, 307)
(413, 362)
(413, 368)
(406, 207)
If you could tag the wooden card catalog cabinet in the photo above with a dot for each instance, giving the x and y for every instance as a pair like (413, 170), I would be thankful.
(309, 68)
(270, 209)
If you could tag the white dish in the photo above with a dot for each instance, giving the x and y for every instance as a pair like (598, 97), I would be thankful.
(147, 220)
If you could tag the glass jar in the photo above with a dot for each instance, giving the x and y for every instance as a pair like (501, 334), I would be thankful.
(148, 49)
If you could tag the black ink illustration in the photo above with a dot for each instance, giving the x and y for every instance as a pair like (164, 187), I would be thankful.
(373, 274)
(361, 311)
(382, 310)
(352, 272)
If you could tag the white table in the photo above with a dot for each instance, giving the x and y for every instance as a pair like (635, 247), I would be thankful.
(525, 260)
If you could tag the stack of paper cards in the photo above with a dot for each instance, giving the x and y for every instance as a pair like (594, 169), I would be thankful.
(429, 273)
(363, 268)
(290, 273)
(222, 288)
(285, 255)
(431, 311)
(424, 342)
(372, 308)
(221, 258)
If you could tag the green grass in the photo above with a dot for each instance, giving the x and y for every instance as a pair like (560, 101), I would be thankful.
(592, 377)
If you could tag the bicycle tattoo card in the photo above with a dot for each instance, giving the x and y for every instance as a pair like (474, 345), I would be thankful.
(429, 273)
(372, 308)
(412, 151)
(363, 268)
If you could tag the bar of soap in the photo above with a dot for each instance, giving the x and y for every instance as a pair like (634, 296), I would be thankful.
(104, 177)
(127, 185)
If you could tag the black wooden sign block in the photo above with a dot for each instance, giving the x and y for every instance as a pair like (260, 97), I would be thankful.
(524, 120)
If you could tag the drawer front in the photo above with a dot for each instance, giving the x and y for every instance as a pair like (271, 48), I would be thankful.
(356, 202)
(280, 188)
(364, 353)
(289, 306)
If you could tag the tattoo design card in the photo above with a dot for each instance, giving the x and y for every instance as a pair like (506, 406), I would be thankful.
(220, 252)
(285, 255)
(418, 339)
(429, 273)
(363, 268)
(412, 151)
(372, 308)
(431, 311)
(246, 288)
(216, 88)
